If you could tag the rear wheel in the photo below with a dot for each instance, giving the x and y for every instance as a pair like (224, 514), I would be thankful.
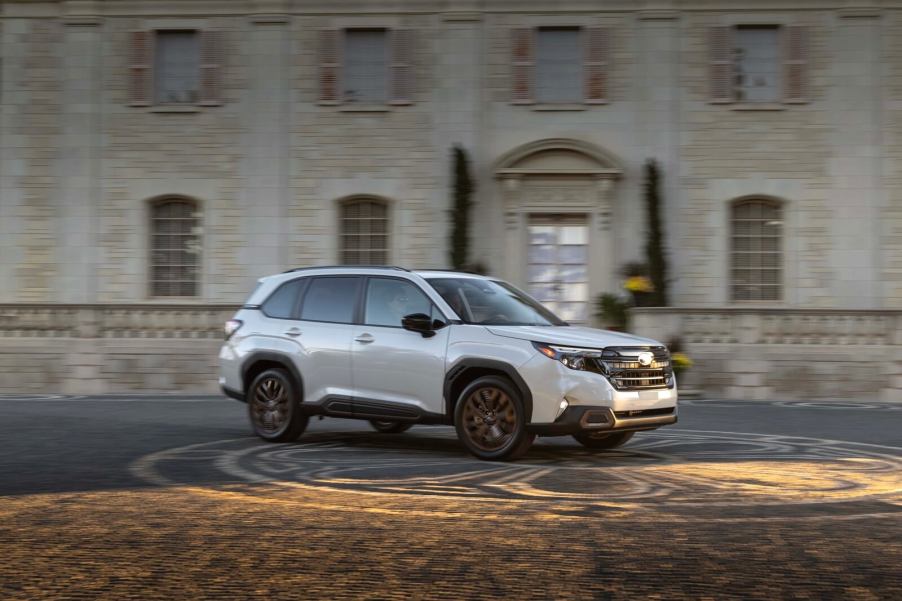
(273, 407)
(603, 440)
(491, 421)
(388, 427)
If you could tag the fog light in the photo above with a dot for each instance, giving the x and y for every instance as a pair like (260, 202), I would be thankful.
(564, 404)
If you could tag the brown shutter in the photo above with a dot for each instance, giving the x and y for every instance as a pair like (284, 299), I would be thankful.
(521, 65)
(140, 68)
(795, 64)
(595, 67)
(720, 63)
(401, 66)
(329, 66)
(211, 59)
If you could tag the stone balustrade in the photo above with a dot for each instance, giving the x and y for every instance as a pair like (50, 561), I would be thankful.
(742, 353)
(89, 349)
(114, 321)
(772, 326)
(784, 353)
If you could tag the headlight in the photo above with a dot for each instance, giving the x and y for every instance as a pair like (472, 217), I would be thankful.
(582, 359)
(625, 368)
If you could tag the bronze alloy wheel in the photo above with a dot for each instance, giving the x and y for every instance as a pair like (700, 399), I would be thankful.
(273, 407)
(490, 419)
(270, 405)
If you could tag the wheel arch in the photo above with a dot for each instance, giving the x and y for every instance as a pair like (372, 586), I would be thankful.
(258, 362)
(466, 370)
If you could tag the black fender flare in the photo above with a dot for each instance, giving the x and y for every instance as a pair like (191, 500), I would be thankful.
(465, 363)
(271, 357)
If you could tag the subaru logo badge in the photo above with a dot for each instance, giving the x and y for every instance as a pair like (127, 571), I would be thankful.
(646, 358)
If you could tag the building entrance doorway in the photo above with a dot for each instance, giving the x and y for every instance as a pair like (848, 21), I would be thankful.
(557, 263)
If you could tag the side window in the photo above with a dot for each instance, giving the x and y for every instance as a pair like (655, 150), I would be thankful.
(388, 300)
(331, 299)
(282, 302)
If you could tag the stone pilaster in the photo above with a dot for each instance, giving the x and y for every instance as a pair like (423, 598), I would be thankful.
(79, 162)
(856, 193)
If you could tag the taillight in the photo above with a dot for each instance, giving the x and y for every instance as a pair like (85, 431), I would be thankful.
(231, 326)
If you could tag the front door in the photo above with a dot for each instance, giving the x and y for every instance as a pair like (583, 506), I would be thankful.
(557, 255)
(393, 366)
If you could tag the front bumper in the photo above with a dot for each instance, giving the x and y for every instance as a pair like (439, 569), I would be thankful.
(587, 418)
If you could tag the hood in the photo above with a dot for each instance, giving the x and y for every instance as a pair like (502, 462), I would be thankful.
(572, 336)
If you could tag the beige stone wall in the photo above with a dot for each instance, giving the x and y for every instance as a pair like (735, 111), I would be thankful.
(337, 152)
(30, 136)
(727, 153)
(147, 154)
(891, 225)
(269, 167)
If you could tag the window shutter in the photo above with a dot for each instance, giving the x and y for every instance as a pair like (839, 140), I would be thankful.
(795, 66)
(329, 66)
(211, 59)
(401, 66)
(595, 67)
(720, 61)
(140, 68)
(521, 65)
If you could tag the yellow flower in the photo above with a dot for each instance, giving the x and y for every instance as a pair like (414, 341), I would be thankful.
(639, 283)
(680, 361)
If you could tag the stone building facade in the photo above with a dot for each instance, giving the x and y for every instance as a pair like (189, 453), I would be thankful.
(156, 157)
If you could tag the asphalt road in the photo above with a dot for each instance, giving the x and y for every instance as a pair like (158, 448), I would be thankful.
(171, 497)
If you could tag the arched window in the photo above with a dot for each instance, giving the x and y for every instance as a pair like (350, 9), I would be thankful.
(175, 247)
(364, 232)
(756, 250)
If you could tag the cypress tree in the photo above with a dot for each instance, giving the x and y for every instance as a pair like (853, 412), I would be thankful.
(654, 246)
(460, 210)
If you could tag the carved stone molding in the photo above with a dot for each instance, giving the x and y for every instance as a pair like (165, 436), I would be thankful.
(605, 187)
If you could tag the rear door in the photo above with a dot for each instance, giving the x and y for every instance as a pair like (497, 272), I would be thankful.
(391, 365)
(324, 333)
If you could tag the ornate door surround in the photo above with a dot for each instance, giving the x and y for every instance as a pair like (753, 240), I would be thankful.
(558, 176)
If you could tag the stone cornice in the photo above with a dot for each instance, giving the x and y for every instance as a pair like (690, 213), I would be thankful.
(449, 10)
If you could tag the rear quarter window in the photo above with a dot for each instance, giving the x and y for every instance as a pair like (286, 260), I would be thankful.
(282, 303)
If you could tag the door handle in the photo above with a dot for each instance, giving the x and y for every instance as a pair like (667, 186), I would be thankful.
(293, 332)
(365, 338)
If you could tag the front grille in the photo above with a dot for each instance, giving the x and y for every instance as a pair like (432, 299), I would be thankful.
(644, 412)
(622, 368)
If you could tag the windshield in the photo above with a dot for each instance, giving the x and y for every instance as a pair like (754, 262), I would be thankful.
(493, 303)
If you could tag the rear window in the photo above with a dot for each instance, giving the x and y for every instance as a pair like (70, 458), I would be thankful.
(284, 300)
(331, 299)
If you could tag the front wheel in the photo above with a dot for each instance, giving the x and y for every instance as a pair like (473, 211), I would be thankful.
(387, 427)
(273, 409)
(603, 440)
(491, 421)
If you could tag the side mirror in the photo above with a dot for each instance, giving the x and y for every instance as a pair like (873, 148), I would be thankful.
(418, 322)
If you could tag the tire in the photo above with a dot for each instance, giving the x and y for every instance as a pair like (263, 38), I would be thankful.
(491, 421)
(273, 408)
(389, 427)
(600, 441)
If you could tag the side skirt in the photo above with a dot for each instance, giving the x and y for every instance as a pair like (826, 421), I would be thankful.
(354, 408)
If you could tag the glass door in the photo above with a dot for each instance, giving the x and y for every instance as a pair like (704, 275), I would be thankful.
(558, 271)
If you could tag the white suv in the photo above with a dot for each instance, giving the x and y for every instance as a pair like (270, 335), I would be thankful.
(398, 348)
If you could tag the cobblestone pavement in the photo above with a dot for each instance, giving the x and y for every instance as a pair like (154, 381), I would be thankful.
(143, 498)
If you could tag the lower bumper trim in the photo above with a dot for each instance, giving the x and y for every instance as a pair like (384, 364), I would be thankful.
(588, 418)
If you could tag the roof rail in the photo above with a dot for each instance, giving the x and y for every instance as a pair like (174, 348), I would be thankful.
(394, 267)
